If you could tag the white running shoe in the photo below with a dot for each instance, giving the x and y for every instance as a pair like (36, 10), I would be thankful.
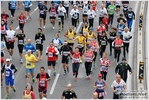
(53, 27)
(44, 27)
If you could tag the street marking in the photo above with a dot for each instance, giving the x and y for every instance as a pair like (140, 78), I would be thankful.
(79, 27)
(54, 84)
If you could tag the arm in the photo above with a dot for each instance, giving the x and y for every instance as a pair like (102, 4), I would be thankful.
(94, 35)
(14, 68)
(37, 78)
(30, 4)
(33, 95)
(43, 37)
(133, 15)
(66, 33)
(105, 85)
(34, 49)
(63, 95)
(112, 87)
(116, 69)
(129, 68)
(95, 85)
(47, 77)
(57, 52)
(35, 37)
(74, 95)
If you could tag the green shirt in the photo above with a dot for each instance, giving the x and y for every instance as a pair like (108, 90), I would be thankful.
(111, 9)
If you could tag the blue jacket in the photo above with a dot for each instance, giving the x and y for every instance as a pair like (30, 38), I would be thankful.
(60, 41)
(27, 3)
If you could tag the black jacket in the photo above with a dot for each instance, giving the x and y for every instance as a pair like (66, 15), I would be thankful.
(122, 69)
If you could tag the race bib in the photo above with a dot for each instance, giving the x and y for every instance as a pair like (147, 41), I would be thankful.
(28, 64)
(117, 45)
(103, 68)
(7, 73)
(88, 59)
(20, 41)
(42, 83)
(103, 42)
(41, 12)
(50, 54)
(89, 39)
(38, 41)
(79, 45)
(21, 21)
(70, 39)
(65, 53)
(75, 60)
(118, 90)
(84, 33)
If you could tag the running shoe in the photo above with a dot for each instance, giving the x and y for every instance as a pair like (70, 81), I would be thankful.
(89, 77)
(86, 77)
(14, 89)
(94, 66)
(65, 73)
(33, 80)
(54, 74)
(7, 97)
(75, 79)
(53, 27)
(21, 61)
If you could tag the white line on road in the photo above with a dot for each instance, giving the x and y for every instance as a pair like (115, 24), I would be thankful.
(79, 27)
(30, 15)
(54, 84)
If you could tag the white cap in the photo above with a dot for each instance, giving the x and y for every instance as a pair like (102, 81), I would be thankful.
(7, 59)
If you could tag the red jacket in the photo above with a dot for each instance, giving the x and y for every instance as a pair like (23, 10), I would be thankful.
(51, 53)
(105, 21)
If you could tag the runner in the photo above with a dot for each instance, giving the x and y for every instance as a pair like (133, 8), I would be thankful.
(52, 13)
(121, 18)
(102, 11)
(69, 93)
(111, 10)
(130, 16)
(12, 7)
(117, 44)
(3, 47)
(103, 44)
(112, 37)
(9, 70)
(94, 4)
(118, 6)
(74, 16)
(88, 56)
(27, 8)
(76, 56)
(65, 53)
(99, 86)
(81, 44)
(51, 53)
(42, 80)
(85, 29)
(21, 37)
(28, 93)
(42, 14)
(70, 35)
(66, 5)
(126, 40)
(29, 46)
(18, 4)
(5, 17)
(3, 29)
(39, 38)
(22, 20)
(85, 9)
(118, 86)
(94, 46)
(105, 21)
(61, 12)
(105, 63)
(125, 5)
(122, 69)
(120, 28)
(10, 39)
(29, 64)
(91, 16)
(90, 35)
(2, 64)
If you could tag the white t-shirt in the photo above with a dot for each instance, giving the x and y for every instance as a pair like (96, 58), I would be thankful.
(10, 33)
(126, 35)
(61, 9)
(117, 86)
(102, 12)
(74, 13)
(91, 14)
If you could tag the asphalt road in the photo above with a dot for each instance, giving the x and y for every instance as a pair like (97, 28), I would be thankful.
(83, 88)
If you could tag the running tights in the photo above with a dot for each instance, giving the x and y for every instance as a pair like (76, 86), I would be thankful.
(88, 66)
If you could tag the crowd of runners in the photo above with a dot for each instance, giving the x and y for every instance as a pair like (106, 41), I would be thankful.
(91, 41)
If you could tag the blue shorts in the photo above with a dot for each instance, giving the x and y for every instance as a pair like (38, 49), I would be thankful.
(29, 70)
(9, 81)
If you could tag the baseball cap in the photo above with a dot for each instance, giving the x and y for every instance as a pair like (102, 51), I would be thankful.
(99, 75)
(7, 59)
(91, 28)
(123, 59)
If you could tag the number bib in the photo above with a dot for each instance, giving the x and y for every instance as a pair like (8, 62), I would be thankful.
(76, 60)
(79, 45)
(89, 39)
(88, 59)
(103, 42)
(41, 12)
(38, 41)
(20, 41)
(7, 73)
(42, 83)
(28, 64)
(50, 54)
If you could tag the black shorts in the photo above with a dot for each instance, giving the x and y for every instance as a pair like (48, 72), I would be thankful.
(39, 47)
(84, 15)
(20, 48)
(27, 9)
(118, 6)
(10, 45)
(42, 16)
(52, 17)
(51, 63)
(42, 89)
(65, 59)
(2, 54)
(70, 44)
